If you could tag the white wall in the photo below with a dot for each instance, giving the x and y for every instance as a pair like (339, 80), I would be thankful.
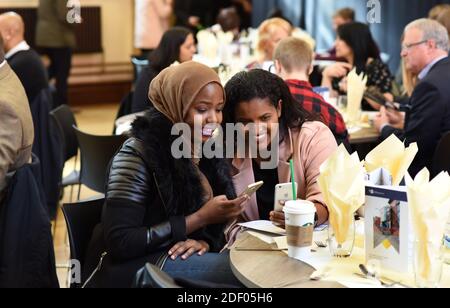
(117, 25)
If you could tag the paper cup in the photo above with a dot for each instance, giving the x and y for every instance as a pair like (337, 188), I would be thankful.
(299, 227)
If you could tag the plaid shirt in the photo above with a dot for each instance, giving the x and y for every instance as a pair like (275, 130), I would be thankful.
(302, 92)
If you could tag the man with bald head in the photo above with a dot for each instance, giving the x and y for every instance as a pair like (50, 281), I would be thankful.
(16, 123)
(24, 61)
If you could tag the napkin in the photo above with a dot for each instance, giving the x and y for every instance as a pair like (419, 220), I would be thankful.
(225, 40)
(342, 182)
(356, 85)
(392, 155)
(207, 44)
(429, 203)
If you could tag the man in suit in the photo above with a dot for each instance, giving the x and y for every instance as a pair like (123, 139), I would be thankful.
(16, 124)
(24, 61)
(55, 34)
(425, 53)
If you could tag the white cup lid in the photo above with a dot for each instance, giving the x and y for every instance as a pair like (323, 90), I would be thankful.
(299, 207)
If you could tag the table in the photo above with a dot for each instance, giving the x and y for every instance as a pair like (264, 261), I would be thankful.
(365, 135)
(123, 124)
(271, 269)
(261, 268)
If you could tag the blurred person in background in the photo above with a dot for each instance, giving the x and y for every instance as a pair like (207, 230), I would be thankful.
(441, 13)
(197, 14)
(152, 20)
(270, 33)
(177, 45)
(356, 45)
(229, 21)
(16, 124)
(24, 61)
(438, 10)
(425, 50)
(293, 62)
(55, 35)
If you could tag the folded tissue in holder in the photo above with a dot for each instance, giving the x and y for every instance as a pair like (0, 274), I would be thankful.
(429, 203)
(392, 155)
(342, 184)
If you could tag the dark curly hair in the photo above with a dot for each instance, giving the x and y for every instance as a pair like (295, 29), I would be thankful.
(245, 86)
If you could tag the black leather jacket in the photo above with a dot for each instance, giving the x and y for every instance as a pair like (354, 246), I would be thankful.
(150, 193)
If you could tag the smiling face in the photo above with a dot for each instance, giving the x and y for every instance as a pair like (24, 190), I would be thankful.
(207, 109)
(264, 117)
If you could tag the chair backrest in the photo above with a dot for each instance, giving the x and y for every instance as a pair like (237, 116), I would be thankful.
(65, 120)
(139, 65)
(96, 154)
(441, 160)
(125, 107)
(81, 220)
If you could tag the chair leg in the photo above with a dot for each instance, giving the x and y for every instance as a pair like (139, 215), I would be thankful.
(71, 189)
(68, 268)
(71, 193)
(79, 192)
(55, 223)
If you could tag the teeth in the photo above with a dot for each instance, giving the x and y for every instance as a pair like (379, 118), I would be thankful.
(261, 137)
(207, 132)
(210, 131)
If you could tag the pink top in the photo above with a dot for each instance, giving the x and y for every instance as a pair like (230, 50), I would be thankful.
(309, 147)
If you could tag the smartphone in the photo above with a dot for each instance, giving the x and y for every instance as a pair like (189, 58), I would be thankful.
(251, 189)
(395, 106)
(373, 94)
(283, 193)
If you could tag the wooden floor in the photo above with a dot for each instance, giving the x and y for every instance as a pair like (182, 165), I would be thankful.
(94, 119)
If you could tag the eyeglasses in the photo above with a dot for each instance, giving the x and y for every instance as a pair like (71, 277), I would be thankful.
(407, 47)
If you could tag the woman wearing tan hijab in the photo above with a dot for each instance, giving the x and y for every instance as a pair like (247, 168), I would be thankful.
(162, 210)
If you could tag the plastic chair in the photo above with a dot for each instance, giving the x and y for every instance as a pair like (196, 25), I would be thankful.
(64, 119)
(139, 65)
(96, 154)
(151, 277)
(81, 220)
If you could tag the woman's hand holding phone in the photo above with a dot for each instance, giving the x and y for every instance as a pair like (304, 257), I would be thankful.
(283, 193)
(220, 209)
(278, 218)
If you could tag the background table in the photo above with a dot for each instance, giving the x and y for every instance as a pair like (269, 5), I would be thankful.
(271, 269)
(365, 135)
(123, 124)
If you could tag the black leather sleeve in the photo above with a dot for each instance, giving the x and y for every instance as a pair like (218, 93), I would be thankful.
(128, 198)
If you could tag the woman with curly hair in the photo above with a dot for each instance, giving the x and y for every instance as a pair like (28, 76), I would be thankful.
(263, 99)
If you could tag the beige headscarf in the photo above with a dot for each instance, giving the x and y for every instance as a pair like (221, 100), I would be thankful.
(174, 90)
